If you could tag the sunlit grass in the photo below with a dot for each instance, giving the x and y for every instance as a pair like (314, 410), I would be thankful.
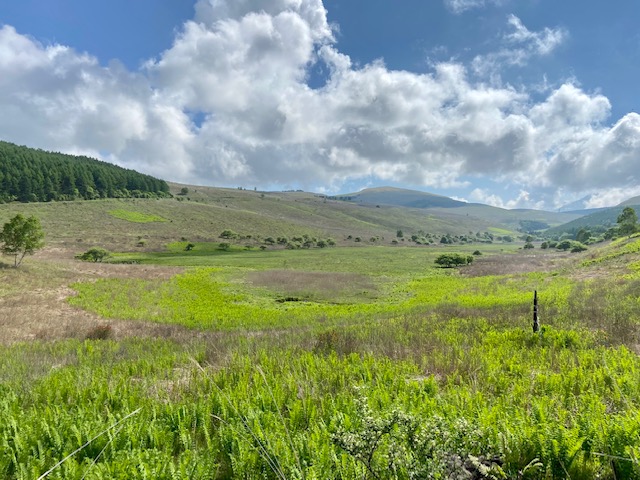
(337, 363)
(136, 217)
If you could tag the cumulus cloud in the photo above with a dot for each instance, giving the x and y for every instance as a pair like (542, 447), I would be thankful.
(229, 104)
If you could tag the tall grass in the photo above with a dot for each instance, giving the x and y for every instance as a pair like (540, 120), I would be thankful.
(505, 394)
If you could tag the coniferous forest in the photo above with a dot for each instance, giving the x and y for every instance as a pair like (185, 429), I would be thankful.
(31, 175)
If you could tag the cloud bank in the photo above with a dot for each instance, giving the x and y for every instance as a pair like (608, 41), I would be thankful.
(229, 104)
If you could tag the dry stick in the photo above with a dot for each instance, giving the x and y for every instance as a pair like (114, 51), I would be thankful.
(273, 463)
(86, 444)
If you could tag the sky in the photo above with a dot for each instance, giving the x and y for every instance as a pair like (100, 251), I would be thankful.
(512, 103)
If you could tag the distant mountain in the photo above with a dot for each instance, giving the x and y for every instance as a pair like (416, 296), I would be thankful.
(448, 206)
(400, 197)
(575, 206)
(632, 201)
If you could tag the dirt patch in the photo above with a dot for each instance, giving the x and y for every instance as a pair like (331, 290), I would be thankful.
(33, 302)
(516, 263)
(295, 285)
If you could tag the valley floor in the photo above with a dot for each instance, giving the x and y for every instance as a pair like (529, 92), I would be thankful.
(359, 362)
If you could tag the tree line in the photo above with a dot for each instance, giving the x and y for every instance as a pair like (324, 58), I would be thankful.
(32, 175)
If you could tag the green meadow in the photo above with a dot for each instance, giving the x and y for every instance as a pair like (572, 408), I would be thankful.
(346, 362)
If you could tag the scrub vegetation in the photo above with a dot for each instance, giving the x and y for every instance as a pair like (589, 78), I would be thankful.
(318, 363)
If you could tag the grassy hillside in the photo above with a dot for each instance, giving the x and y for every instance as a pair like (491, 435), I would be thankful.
(203, 213)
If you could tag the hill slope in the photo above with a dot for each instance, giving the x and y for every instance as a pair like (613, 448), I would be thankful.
(30, 175)
(441, 205)
(204, 212)
(600, 220)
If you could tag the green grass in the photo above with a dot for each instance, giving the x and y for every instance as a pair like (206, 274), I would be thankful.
(209, 211)
(557, 400)
(338, 363)
(370, 260)
(395, 281)
(136, 217)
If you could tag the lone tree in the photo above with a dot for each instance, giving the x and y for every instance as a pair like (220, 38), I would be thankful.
(628, 221)
(21, 236)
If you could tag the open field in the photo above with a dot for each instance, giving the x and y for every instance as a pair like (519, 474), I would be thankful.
(344, 362)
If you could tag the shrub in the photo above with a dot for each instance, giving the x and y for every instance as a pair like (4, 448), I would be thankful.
(95, 254)
(449, 260)
(229, 234)
(100, 332)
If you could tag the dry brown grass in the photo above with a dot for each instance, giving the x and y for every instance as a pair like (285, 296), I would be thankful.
(324, 286)
(541, 261)
(33, 298)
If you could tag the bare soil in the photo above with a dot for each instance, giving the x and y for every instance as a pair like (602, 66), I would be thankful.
(33, 299)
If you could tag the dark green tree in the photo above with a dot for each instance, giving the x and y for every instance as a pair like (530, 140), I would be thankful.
(31, 175)
(583, 235)
(21, 236)
(628, 221)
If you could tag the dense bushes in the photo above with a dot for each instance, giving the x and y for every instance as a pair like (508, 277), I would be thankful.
(449, 260)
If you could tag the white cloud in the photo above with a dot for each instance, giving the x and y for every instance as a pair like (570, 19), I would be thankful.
(523, 200)
(520, 45)
(611, 196)
(460, 6)
(243, 70)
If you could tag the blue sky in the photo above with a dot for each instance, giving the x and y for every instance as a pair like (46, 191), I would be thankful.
(515, 103)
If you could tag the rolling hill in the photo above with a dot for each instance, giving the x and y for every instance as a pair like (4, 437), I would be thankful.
(202, 213)
(441, 205)
(599, 220)
(400, 197)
